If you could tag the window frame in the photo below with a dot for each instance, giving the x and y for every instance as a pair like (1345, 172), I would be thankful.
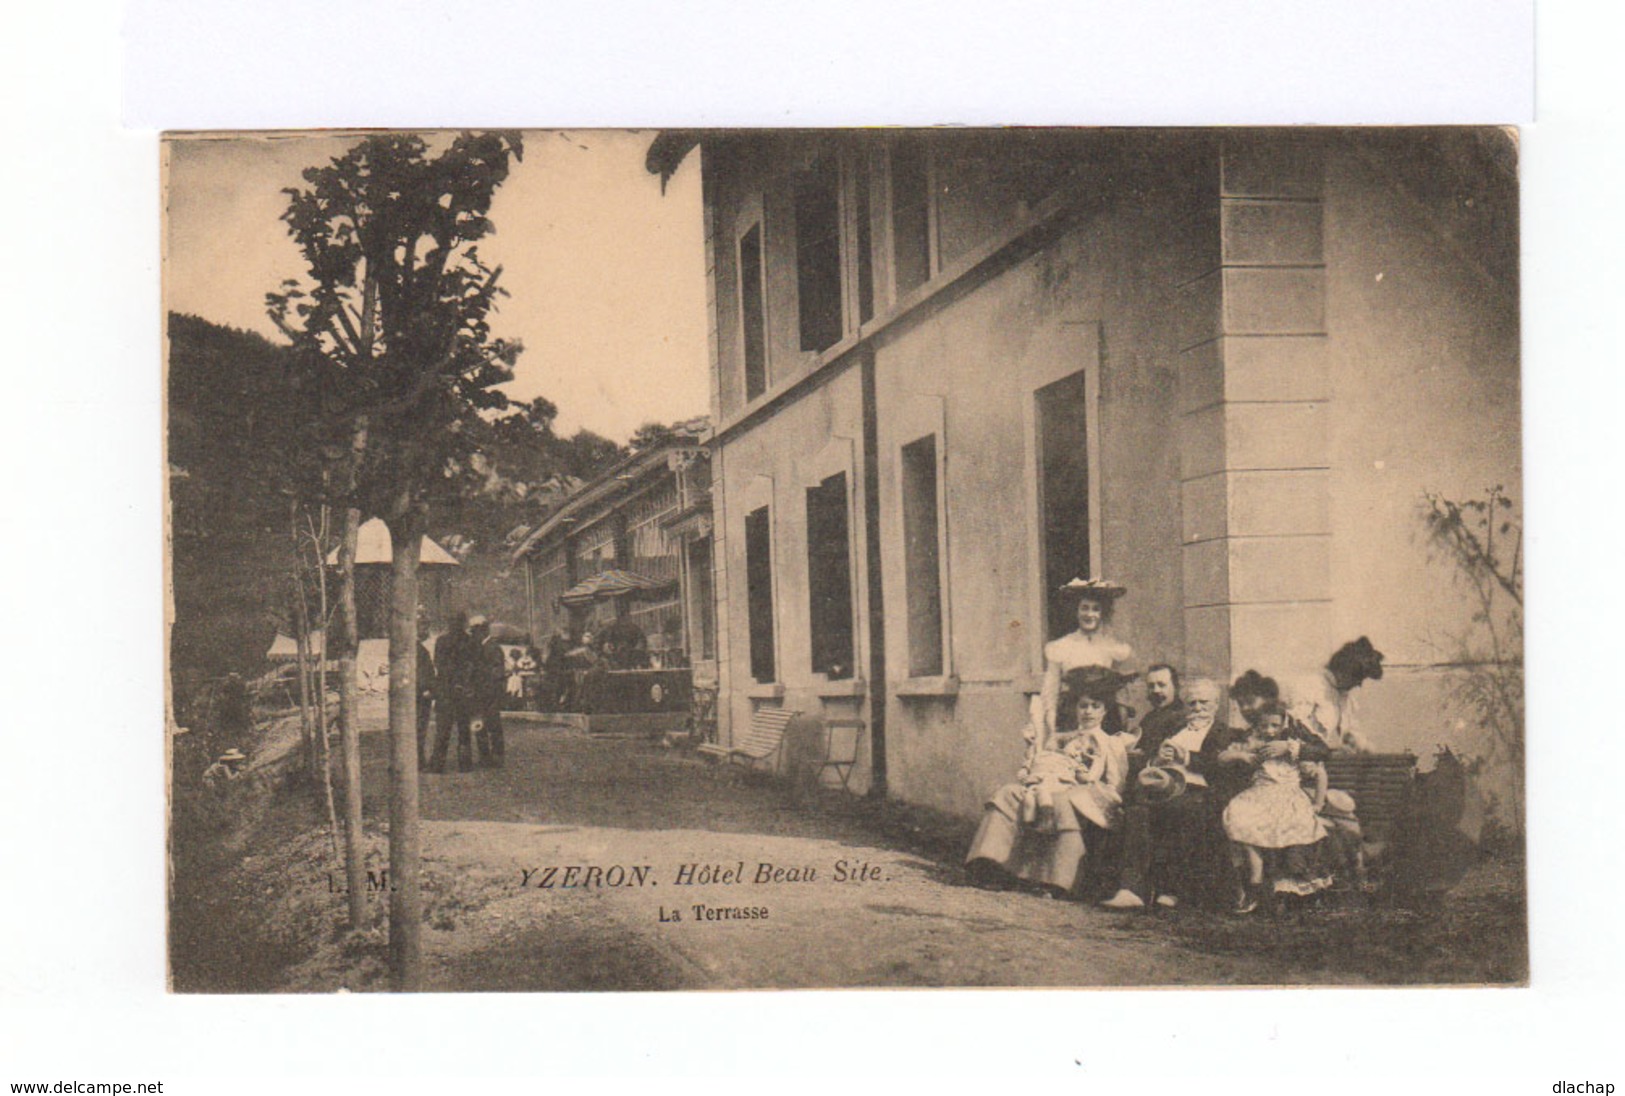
(858, 189)
(839, 457)
(757, 496)
(751, 217)
(1081, 356)
(918, 417)
(933, 251)
(828, 168)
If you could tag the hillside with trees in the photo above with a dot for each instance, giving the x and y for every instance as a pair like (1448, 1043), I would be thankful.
(242, 411)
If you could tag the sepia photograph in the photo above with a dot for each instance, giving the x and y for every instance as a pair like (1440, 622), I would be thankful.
(756, 559)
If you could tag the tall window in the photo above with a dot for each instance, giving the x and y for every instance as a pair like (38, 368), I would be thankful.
(829, 577)
(910, 215)
(865, 244)
(1063, 492)
(818, 255)
(922, 559)
(759, 594)
(753, 316)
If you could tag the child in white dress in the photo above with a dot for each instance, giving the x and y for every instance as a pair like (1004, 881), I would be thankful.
(1065, 762)
(1274, 821)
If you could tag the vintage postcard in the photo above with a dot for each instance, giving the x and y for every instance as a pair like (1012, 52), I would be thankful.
(755, 559)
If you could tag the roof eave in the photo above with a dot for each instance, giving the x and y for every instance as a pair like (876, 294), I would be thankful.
(617, 479)
(668, 151)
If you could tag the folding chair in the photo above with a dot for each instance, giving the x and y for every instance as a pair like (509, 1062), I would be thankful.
(842, 738)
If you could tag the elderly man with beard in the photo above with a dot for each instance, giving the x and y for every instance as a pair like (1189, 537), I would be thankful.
(1170, 848)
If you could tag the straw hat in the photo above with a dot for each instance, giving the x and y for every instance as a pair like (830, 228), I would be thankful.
(1094, 681)
(1339, 804)
(1095, 587)
(1162, 781)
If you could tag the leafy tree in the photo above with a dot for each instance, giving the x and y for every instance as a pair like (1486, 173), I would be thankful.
(396, 302)
(651, 435)
(1481, 539)
(236, 402)
(233, 403)
(588, 454)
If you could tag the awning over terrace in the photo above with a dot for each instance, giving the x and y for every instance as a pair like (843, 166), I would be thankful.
(608, 584)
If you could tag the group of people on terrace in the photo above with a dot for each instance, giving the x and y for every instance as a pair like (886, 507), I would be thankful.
(570, 660)
(1179, 807)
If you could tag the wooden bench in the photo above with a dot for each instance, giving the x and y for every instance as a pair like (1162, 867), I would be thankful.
(764, 738)
(1381, 785)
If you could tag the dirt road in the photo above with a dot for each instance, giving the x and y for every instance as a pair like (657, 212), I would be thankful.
(680, 897)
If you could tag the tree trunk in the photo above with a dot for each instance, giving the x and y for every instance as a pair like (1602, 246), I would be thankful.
(302, 647)
(322, 767)
(405, 895)
(355, 866)
(301, 629)
(322, 741)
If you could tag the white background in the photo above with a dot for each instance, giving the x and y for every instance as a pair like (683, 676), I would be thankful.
(83, 91)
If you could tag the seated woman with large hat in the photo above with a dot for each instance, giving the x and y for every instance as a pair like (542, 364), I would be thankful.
(1047, 848)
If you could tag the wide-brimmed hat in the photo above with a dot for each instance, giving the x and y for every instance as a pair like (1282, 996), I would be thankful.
(1099, 682)
(1096, 588)
(234, 754)
(1162, 781)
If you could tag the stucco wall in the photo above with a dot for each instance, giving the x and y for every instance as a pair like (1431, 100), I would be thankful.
(799, 445)
(1102, 297)
(750, 181)
(1424, 373)
(1407, 367)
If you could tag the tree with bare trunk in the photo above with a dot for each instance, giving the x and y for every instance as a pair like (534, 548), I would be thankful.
(1481, 539)
(395, 305)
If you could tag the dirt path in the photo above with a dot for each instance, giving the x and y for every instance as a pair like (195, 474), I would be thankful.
(848, 910)
(905, 927)
(258, 903)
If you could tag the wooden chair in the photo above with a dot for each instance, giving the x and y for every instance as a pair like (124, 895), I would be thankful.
(702, 719)
(765, 737)
(842, 740)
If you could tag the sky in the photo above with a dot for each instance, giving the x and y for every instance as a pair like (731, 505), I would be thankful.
(605, 275)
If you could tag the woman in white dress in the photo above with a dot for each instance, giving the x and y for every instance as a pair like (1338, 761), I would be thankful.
(1092, 644)
(1052, 856)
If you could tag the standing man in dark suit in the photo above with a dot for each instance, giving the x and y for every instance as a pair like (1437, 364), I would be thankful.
(452, 708)
(426, 687)
(488, 675)
(556, 671)
(1167, 713)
